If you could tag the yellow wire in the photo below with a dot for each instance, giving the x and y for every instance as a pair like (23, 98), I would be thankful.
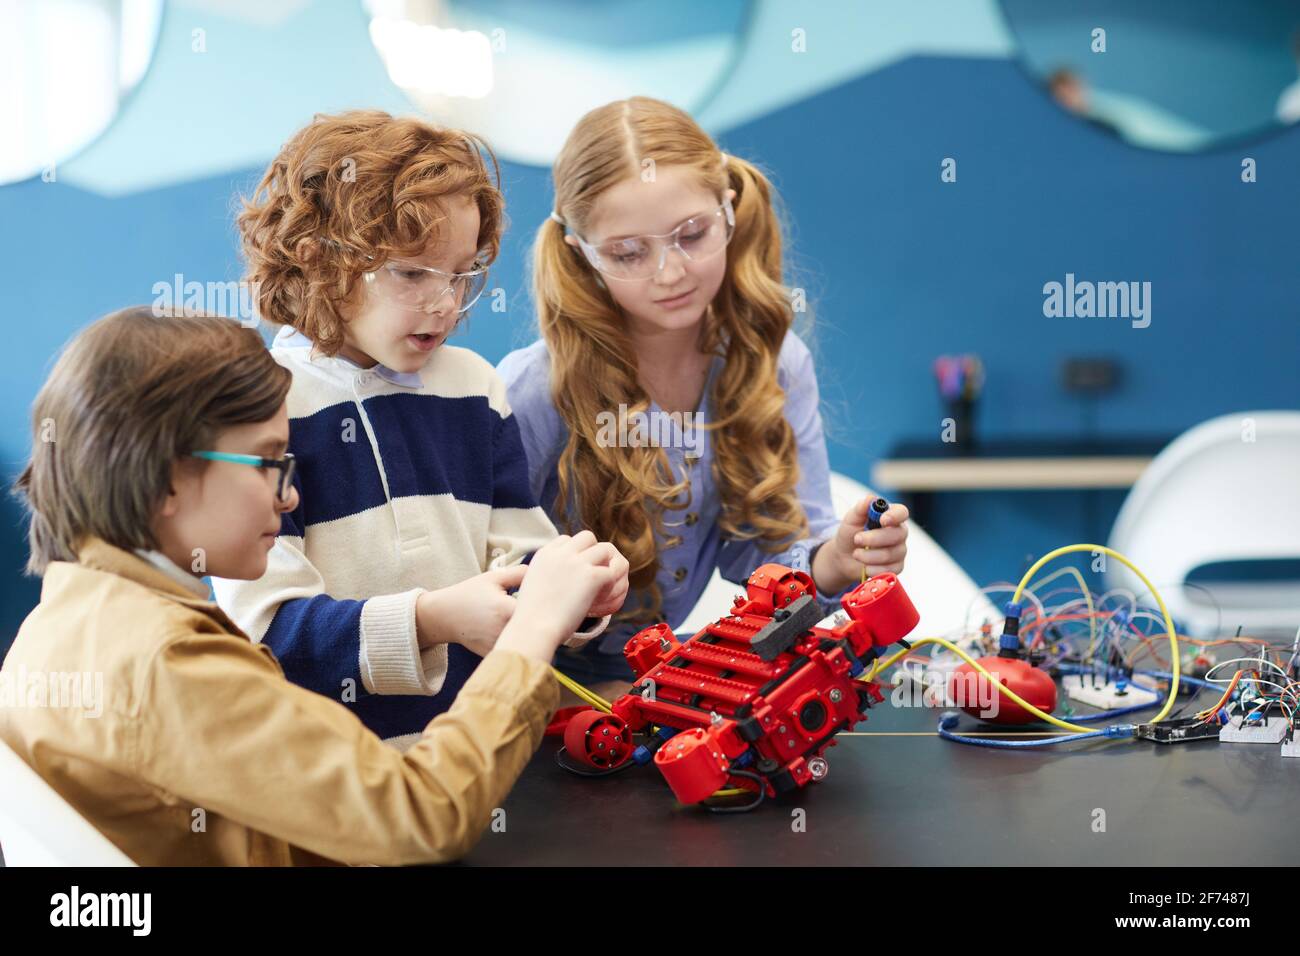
(1006, 691)
(600, 704)
(881, 665)
(1175, 667)
(582, 693)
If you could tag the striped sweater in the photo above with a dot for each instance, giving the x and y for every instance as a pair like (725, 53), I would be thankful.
(407, 482)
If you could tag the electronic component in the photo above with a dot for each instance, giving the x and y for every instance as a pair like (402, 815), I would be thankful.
(1264, 731)
(972, 692)
(1178, 731)
(1108, 695)
(1198, 663)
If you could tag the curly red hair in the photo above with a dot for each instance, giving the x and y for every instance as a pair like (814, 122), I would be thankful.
(348, 192)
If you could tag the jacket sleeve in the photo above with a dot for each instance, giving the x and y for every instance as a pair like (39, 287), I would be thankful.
(323, 642)
(221, 728)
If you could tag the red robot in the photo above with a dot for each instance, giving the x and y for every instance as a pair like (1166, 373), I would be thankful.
(753, 700)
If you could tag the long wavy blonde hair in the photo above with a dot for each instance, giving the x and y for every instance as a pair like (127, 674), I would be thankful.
(622, 493)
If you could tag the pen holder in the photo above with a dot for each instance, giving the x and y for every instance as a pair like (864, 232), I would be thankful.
(962, 428)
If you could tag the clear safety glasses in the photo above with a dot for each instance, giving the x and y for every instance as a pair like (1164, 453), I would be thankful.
(640, 257)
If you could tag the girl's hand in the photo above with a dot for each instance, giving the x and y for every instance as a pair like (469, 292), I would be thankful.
(841, 560)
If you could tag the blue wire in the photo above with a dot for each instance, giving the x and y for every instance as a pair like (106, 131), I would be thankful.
(950, 720)
(1182, 678)
(1107, 714)
(1117, 731)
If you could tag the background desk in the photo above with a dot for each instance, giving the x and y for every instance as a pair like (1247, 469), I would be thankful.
(892, 800)
(920, 468)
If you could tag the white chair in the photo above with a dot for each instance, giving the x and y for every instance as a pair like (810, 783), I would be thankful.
(943, 593)
(1227, 490)
(39, 828)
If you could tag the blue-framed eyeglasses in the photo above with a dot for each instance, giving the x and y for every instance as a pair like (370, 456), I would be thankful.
(286, 466)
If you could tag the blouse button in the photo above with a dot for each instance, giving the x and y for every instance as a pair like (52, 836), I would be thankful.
(679, 575)
(691, 518)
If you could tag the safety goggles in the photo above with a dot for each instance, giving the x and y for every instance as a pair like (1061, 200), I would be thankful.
(422, 288)
(641, 257)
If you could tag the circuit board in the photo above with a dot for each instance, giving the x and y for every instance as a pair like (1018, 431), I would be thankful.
(1179, 731)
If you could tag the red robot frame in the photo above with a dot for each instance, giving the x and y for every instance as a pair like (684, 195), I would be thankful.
(753, 700)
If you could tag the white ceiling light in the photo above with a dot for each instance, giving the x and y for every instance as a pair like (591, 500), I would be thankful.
(66, 66)
(431, 60)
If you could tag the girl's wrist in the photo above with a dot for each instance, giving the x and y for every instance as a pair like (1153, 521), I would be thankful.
(827, 574)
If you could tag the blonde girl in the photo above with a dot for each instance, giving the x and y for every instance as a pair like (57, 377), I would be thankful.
(668, 405)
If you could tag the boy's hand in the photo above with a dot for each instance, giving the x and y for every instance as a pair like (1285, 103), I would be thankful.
(840, 561)
(471, 613)
(563, 582)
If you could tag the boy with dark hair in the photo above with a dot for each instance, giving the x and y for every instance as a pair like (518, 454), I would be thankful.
(159, 456)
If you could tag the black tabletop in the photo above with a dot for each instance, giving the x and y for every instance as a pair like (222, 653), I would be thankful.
(896, 800)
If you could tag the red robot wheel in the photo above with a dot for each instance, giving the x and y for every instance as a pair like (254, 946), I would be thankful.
(692, 765)
(598, 740)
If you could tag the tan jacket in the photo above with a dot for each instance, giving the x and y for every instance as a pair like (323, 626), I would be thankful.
(204, 753)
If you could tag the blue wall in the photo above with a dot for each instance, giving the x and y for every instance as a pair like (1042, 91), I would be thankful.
(925, 267)
(892, 254)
